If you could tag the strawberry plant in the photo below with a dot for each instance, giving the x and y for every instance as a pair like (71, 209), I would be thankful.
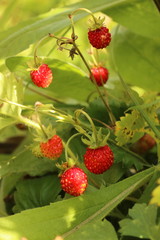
(80, 114)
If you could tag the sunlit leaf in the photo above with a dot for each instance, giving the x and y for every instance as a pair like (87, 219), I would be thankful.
(68, 216)
(143, 223)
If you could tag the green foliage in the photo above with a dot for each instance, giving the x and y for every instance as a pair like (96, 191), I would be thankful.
(126, 157)
(66, 217)
(31, 184)
(23, 161)
(143, 222)
(36, 192)
(11, 89)
(128, 127)
(101, 230)
(141, 54)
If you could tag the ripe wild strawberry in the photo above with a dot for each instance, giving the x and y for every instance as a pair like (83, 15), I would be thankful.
(100, 75)
(98, 160)
(52, 148)
(74, 181)
(42, 77)
(99, 38)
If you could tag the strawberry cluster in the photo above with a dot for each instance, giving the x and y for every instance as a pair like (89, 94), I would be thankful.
(98, 158)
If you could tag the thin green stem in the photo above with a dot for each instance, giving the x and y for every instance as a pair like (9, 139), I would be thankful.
(50, 35)
(97, 55)
(94, 59)
(132, 199)
(29, 122)
(97, 88)
(16, 104)
(36, 48)
(22, 119)
(67, 149)
(85, 10)
(72, 26)
(104, 124)
(111, 115)
(80, 111)
(40, 124)
(44, 95)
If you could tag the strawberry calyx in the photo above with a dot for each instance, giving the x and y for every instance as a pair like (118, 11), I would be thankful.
(65, 166)
(96, 141)
(92, 138)
(32, 66)
(96, 23)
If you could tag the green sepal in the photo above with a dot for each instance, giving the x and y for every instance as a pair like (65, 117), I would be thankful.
(49, 133)
(95, 142)
(66, 165)
(35, 148)
(98, 23)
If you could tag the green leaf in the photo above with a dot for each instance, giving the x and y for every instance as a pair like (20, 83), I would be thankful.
(5, 122)
(138, 16)
(11, 90)
(69, 81)
(6, 187)
(141, 57)
(68, 216)
(100, 230)
(20, 37)
(114, 173)
(23, 161)
(125, 156)
(36, 192)
(128, 128)
(10, 129)
(142, 223)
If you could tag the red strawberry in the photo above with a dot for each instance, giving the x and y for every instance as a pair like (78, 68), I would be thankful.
(98, 160)
(52, 148)
(74, 181)
(100, 75)
(99, 38)
(42, 77)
